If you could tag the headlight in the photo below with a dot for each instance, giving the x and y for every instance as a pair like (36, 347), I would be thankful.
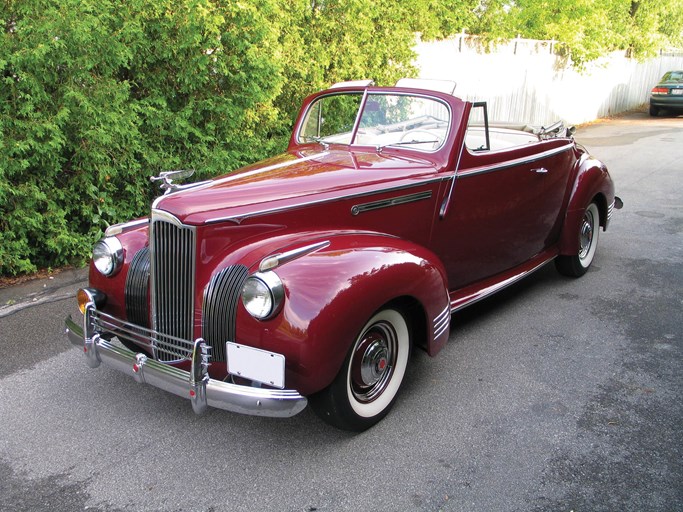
(107, 255)
(263, 295)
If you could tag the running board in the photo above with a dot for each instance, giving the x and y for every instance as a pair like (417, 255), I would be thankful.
(474, 293)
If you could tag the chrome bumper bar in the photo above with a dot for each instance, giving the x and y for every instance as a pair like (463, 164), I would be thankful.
(194, 385)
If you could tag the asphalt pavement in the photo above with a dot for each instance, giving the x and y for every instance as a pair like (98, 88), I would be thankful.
(555, 395)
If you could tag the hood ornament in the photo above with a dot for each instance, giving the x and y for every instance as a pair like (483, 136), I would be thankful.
(167, 178)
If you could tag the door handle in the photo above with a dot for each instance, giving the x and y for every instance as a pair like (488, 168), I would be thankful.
(540, 170)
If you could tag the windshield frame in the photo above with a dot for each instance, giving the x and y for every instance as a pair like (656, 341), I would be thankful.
(365, 95)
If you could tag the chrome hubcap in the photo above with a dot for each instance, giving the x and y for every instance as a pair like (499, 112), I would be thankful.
(373, 362)
(586, 234)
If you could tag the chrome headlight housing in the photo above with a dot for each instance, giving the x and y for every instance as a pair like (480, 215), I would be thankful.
(107, 255)
(263, 295)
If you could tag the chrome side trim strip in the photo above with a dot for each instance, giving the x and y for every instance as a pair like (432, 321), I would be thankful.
(610, 210)
(117, 229)
(443, 329)
(457, 305)
(195, 386)
(512, 163)
(274, 261)
(442, 322)
(386, 203)
(238, 218)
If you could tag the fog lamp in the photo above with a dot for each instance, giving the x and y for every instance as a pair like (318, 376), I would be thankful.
(87, 296)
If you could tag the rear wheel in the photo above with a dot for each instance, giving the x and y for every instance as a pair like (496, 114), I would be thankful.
(368, 382)
(589, 231)
(654, 111)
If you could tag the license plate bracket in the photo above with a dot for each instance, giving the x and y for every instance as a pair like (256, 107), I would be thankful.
(256, 364)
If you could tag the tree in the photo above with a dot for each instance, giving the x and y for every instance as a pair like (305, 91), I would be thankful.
(328, 41)
(586, 29)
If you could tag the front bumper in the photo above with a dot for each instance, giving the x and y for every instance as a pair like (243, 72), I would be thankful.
(194, 385)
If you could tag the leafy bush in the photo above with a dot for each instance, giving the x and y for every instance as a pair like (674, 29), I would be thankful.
(95, 100)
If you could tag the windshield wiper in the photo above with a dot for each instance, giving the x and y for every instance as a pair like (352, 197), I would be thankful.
(406, 143)
(319, 140)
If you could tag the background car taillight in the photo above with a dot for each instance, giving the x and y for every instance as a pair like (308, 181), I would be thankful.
(660, 90)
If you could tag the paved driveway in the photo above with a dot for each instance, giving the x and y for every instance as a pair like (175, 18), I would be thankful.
(556, 395)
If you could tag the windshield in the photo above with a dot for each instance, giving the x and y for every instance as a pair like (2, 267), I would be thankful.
(399, 120)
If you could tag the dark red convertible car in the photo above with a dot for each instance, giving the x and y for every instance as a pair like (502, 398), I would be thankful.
(309, 277)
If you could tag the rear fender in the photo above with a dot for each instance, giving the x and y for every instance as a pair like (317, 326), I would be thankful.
(330, 294)
(592, 184)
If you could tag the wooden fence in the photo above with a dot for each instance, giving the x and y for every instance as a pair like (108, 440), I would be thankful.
(525, 81)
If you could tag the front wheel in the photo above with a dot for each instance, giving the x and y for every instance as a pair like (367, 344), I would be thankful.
(368, 382)
(589, 231)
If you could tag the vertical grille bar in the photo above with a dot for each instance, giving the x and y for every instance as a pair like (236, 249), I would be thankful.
(137, 289)
(219, 310)
(172, 250)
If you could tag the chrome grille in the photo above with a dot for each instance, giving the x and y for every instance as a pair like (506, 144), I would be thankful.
(172, 247)
(219, 310)
(137, 289)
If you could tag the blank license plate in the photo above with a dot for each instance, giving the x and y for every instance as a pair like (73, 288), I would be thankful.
(255, 364)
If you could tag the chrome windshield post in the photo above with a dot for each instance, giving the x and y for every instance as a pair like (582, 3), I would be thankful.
(447, 200)
(356, 123)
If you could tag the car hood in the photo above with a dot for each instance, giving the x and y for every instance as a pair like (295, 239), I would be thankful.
(293, 179)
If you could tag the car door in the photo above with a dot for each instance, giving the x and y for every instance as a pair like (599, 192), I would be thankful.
(492, 222)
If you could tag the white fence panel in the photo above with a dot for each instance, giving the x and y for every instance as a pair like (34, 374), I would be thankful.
(524, 81)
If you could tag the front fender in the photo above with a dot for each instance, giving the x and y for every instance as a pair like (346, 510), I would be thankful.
(592, 183)
(332, 292)
(114, 287)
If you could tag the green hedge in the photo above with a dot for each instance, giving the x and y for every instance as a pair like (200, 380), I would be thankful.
(94, 101)
(98, 95)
